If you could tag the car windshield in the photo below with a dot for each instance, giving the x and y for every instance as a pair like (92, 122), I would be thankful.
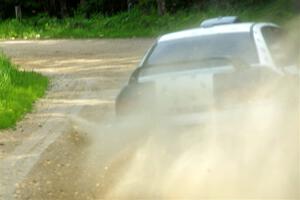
(194, 49)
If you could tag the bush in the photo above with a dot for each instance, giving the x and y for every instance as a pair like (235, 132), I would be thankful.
(136, 23)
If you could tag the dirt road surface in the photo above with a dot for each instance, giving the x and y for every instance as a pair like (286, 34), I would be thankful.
(70, 147)
(44, 157)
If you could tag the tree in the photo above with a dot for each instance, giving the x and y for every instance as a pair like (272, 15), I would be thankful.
(58, 8)
(161, 7)
(297, 6)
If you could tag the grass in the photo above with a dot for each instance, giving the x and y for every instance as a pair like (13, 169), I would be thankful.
(136, 23)
(18, 91)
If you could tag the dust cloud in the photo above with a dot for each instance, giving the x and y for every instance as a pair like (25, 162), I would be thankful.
(251, 153)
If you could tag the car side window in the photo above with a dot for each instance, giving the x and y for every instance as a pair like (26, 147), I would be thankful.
(275, 39)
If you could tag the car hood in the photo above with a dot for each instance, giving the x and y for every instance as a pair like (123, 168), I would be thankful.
(154, 74)
(186, 90)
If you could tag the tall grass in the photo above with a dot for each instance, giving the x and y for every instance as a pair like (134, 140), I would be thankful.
(136, 23)
(18, 91)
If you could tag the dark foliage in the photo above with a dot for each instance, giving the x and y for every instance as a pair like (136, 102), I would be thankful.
(66, 8)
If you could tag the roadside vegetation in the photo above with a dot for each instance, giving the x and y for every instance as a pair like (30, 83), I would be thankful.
(18, 91)
(138, 22)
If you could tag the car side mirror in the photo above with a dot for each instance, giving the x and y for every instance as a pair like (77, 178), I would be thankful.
(135, 76)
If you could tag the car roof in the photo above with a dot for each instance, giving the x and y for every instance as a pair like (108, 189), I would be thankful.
(219, 29)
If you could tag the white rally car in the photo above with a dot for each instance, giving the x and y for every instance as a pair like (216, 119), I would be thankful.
(221, 64)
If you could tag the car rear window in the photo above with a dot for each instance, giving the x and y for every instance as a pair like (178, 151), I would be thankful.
(194, 49)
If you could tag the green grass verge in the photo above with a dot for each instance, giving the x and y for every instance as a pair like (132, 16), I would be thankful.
(18, 91)
(136, 23)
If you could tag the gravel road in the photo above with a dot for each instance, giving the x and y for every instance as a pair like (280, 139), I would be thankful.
(70, 147)
(43, 157)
